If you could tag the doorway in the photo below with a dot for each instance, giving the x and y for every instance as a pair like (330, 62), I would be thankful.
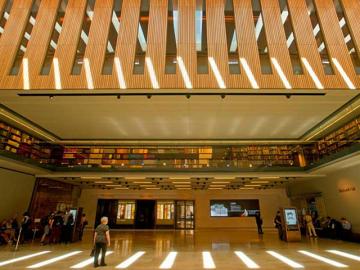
(145, 214)
(185, 217)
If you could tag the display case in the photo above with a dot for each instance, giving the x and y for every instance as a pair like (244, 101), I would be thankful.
(125, 213)
(165, 212)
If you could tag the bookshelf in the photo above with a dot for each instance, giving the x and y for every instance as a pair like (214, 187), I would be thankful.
(339, 139)
(18, 142)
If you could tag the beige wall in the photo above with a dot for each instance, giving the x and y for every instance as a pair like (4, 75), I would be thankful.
(270, 201)
(337, 204)
(16, 192)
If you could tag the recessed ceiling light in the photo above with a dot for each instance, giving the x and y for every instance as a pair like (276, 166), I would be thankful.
(259, 182)
(104, 182)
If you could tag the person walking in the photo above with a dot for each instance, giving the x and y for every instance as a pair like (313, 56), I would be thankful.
(309, 225)
(101, 241)
(259, 222)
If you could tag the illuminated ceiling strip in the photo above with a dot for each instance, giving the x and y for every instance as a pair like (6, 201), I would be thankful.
(23, 258)
(258, 27)
(90, 13)
(88, 261)
(323, 259)
(249, 73)
(233, 44)
(284, 259)
(169, 260)
(1, 30)
(316, 30)
(208, 262)
(184, 72)
(345, 255)
(176, 25)
(89, 78)
(6, 15)
(281, 73)
(115, 22)
(119, 73)
(246, 260)
(26, 79)
(217, 74)
(131, 260)
(150, 68)
(343, 74)
(142, 39)
(284, 16)
(290, 40)
(57, 75)
(53, 260)
(312, 73)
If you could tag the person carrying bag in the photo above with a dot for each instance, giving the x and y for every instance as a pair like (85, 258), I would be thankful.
(101, 242)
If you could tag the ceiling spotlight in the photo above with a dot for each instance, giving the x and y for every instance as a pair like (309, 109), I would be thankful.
(250, 165)
(51, 97)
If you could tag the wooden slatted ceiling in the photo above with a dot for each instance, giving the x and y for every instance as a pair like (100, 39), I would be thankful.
(68, 42)
(10, 42)
(334, 41)
(352, 11)
(186, 47)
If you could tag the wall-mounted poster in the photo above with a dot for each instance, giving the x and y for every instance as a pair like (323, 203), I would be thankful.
(234, 208)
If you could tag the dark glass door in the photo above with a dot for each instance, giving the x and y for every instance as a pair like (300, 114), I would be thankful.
(107, 208)
(145, 214)
(185, 217)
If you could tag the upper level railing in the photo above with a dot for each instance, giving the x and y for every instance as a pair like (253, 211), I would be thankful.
(17, 144)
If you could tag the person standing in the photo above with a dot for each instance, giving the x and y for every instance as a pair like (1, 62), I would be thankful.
(259, 222)
(309, 225)
(278, 225)
(101, 241)
(83, 224)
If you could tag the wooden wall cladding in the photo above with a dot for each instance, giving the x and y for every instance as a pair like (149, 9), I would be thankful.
(186, 48)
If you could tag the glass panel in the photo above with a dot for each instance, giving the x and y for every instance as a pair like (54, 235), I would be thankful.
(348, 38)
(201, 37)
(290, 38)
(232, 44)
(112, 38)
(141, 42)
(25, 40)
(261, 38)
(317, 31)
(165, 210)
(5, 16)
(45, 70)
(84, 38)
(126, 212)
(172, 37)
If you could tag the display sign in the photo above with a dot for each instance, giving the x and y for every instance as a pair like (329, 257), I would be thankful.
(290, 216)
(234, 208)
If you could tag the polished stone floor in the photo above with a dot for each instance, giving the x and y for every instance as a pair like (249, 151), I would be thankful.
(205, 249)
